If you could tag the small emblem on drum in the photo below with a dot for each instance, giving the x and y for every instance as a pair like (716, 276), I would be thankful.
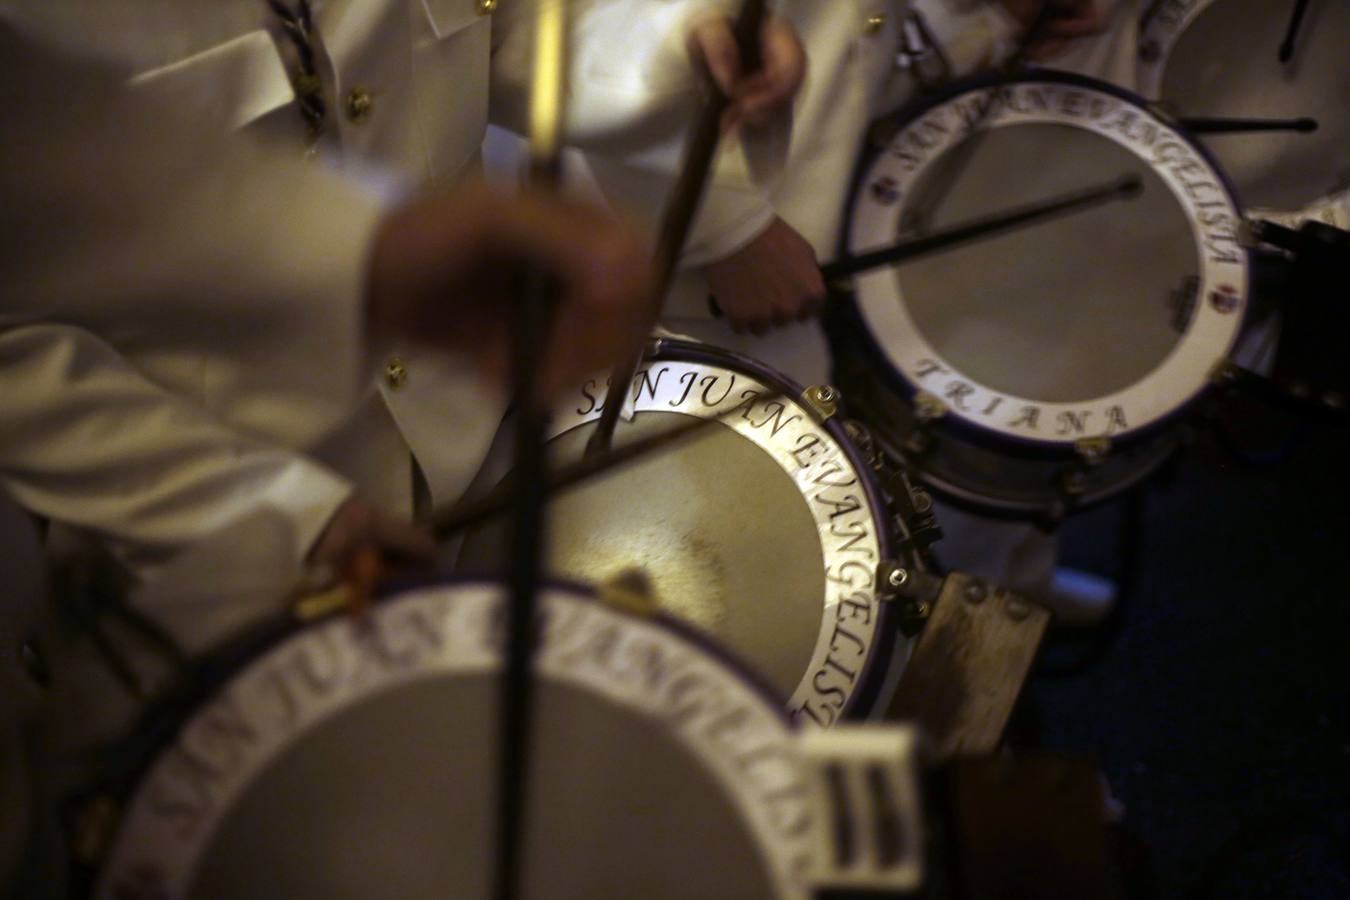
(1224, 299)
(886, 190)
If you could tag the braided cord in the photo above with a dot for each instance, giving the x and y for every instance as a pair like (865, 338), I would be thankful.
(298, 25)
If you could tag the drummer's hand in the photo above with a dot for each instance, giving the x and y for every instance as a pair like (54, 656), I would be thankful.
(357, 526)
(771, 281)
(446, 270)
(762, 94)
(1069, 19)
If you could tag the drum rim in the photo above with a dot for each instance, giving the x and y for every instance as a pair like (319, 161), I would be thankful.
(1149, 74)
(135, 755)
(978, 434)
(871, 676)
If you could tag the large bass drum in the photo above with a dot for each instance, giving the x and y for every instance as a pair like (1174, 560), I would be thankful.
(767, 531)
(1040, 370)
(1221, 58)
(356, 758)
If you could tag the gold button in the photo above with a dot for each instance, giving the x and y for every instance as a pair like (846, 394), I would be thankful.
(485, 7)
(874, 23)
(359, 105)
(395, 373)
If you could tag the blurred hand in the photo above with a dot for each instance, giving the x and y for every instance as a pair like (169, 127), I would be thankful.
(771, 281)
(759, 96)
(446, 270)
(1069, 19)
(358, 526)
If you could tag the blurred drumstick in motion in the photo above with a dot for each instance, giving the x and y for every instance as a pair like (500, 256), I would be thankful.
(684, 200)
(1124, 187)
(498, 500)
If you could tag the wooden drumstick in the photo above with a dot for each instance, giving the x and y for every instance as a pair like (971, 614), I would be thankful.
(534, 314)
(1291, 33)
(1124, 187)
(684, 200)
(1203, 125)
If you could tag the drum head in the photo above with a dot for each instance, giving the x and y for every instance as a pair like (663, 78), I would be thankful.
(394, 798)
(1099, 324)
(720, 530)
(1062, 311)
(1224, 62)
(359, 761)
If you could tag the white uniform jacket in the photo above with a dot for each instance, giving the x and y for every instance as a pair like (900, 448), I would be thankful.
(851, 78)
(406, 85)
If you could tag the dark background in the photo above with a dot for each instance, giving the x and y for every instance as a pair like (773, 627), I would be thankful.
(1220, 714)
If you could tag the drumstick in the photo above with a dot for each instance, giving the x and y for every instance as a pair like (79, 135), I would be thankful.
(1124, 187)
(534, 314)
(1291, 33)
(684, 201)
(498, 500)
(1202, 125)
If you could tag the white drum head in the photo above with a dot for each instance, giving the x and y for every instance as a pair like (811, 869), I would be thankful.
(1061, 311)
(354, 762)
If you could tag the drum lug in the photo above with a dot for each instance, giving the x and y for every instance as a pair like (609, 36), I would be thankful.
(928, 409)
(1073, 480)
(822, 399)
(1093, 450)
(913, 591)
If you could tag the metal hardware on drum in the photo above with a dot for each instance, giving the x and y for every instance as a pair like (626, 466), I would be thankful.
(686, 194)
(1123, 188)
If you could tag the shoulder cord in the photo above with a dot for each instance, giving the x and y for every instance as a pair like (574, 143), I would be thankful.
(298, 24)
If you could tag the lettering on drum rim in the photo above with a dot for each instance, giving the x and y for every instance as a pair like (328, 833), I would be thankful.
(831, 488)
(1160, 33)
(639, 664)
(1197, 187)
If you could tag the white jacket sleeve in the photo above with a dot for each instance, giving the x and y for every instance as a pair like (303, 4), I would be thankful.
(91, 442)
(973, 34)
(121, 233)
(633, 97)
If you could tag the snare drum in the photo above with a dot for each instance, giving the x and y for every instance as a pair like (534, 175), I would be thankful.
(356, 759)
(767, 532)
(1220, 58)
(1040, 370)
